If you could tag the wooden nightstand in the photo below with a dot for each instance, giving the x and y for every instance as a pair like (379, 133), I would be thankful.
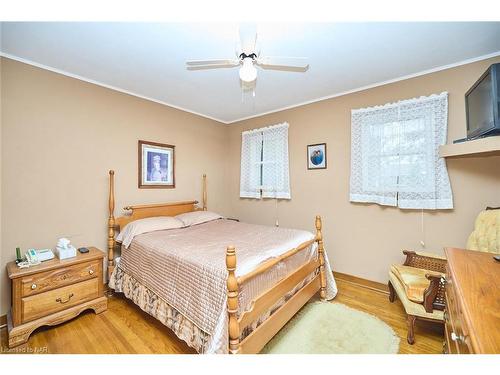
(54, 292)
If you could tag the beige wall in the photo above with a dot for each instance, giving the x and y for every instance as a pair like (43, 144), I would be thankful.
(363, 240)
(60, 138)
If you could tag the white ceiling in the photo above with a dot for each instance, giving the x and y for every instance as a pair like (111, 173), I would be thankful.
(148, 59)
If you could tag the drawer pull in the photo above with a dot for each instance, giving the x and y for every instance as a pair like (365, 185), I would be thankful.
(91, 272)
(457, 338)
(33, 286)
(71, 295)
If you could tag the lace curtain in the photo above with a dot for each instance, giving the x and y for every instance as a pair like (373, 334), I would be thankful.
(251, 153)
(395, 154)
(264, 163)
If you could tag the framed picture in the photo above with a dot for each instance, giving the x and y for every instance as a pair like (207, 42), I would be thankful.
(156, 165)
(316, 156)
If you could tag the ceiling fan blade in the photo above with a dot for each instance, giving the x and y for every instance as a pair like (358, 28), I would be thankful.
(248, 37)
(286, 62)
(210, 66)
(228, 62)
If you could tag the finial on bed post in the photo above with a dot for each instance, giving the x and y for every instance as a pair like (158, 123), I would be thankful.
(204, 192)
(321, 255)
(111, 222)
(232, 301)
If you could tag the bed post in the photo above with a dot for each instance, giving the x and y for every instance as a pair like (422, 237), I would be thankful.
(204, 192)
(321, 255)
(111, 223)
(232, 301)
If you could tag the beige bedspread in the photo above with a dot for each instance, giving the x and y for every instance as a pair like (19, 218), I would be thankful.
(186, 267)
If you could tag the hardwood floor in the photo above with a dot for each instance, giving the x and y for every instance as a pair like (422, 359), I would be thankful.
(125, 328)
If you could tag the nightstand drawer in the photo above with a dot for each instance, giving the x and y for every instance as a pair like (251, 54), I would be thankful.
(42, 304)
(53, 292)
(45, 281)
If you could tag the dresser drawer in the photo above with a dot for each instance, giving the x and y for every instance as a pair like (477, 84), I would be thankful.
(455, 329)
(460, 331)
(450, 346)
(45, 281)
(457, 340)
(42, 304)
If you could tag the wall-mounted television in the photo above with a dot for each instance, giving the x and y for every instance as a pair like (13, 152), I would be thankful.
(482, 103)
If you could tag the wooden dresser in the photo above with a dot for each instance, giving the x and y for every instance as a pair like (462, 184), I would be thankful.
(53, 292)
(472, 314)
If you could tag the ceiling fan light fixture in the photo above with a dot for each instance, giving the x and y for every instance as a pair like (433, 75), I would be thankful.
(248, 73)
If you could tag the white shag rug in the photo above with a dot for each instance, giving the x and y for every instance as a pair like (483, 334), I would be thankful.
(325, 327)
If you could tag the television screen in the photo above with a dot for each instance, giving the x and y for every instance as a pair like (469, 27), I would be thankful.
(480, 107)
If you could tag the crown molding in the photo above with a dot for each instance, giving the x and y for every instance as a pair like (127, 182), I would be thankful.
(114, 88)
(358, 89)
(373, 85)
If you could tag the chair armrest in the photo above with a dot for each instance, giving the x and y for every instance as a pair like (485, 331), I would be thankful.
(424, 261)
(430, 255)
(434, 294)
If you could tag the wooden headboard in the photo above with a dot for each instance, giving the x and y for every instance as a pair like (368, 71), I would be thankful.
(143, 211)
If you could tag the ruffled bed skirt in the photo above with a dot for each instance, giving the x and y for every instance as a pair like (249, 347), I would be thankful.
(159, 309)
(184, 328)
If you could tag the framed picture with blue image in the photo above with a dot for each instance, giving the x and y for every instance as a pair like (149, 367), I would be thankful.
(156, 165)
(316, 156)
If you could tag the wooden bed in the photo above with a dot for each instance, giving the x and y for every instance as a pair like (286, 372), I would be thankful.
(256, 340)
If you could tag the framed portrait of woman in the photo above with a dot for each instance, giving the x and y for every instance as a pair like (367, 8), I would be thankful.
(156, 165)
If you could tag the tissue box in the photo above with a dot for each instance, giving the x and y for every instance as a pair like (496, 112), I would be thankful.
(68, 252)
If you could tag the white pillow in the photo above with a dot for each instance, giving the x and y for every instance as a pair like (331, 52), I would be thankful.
(146, 225)
(197, 217)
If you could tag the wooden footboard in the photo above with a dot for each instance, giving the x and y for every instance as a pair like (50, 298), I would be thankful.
(254, 342)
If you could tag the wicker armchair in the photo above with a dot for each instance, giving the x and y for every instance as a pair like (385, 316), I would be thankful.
(419, 283)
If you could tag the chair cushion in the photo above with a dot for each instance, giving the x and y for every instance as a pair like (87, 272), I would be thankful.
(486, 235)
(413, 280)
(411, 307)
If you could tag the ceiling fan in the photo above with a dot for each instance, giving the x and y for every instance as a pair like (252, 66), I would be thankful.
(248, 55)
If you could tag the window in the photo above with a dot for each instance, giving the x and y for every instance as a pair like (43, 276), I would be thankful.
(395, 154)
(264, 163)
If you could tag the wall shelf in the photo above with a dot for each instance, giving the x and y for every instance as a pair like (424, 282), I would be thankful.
(489, 146)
